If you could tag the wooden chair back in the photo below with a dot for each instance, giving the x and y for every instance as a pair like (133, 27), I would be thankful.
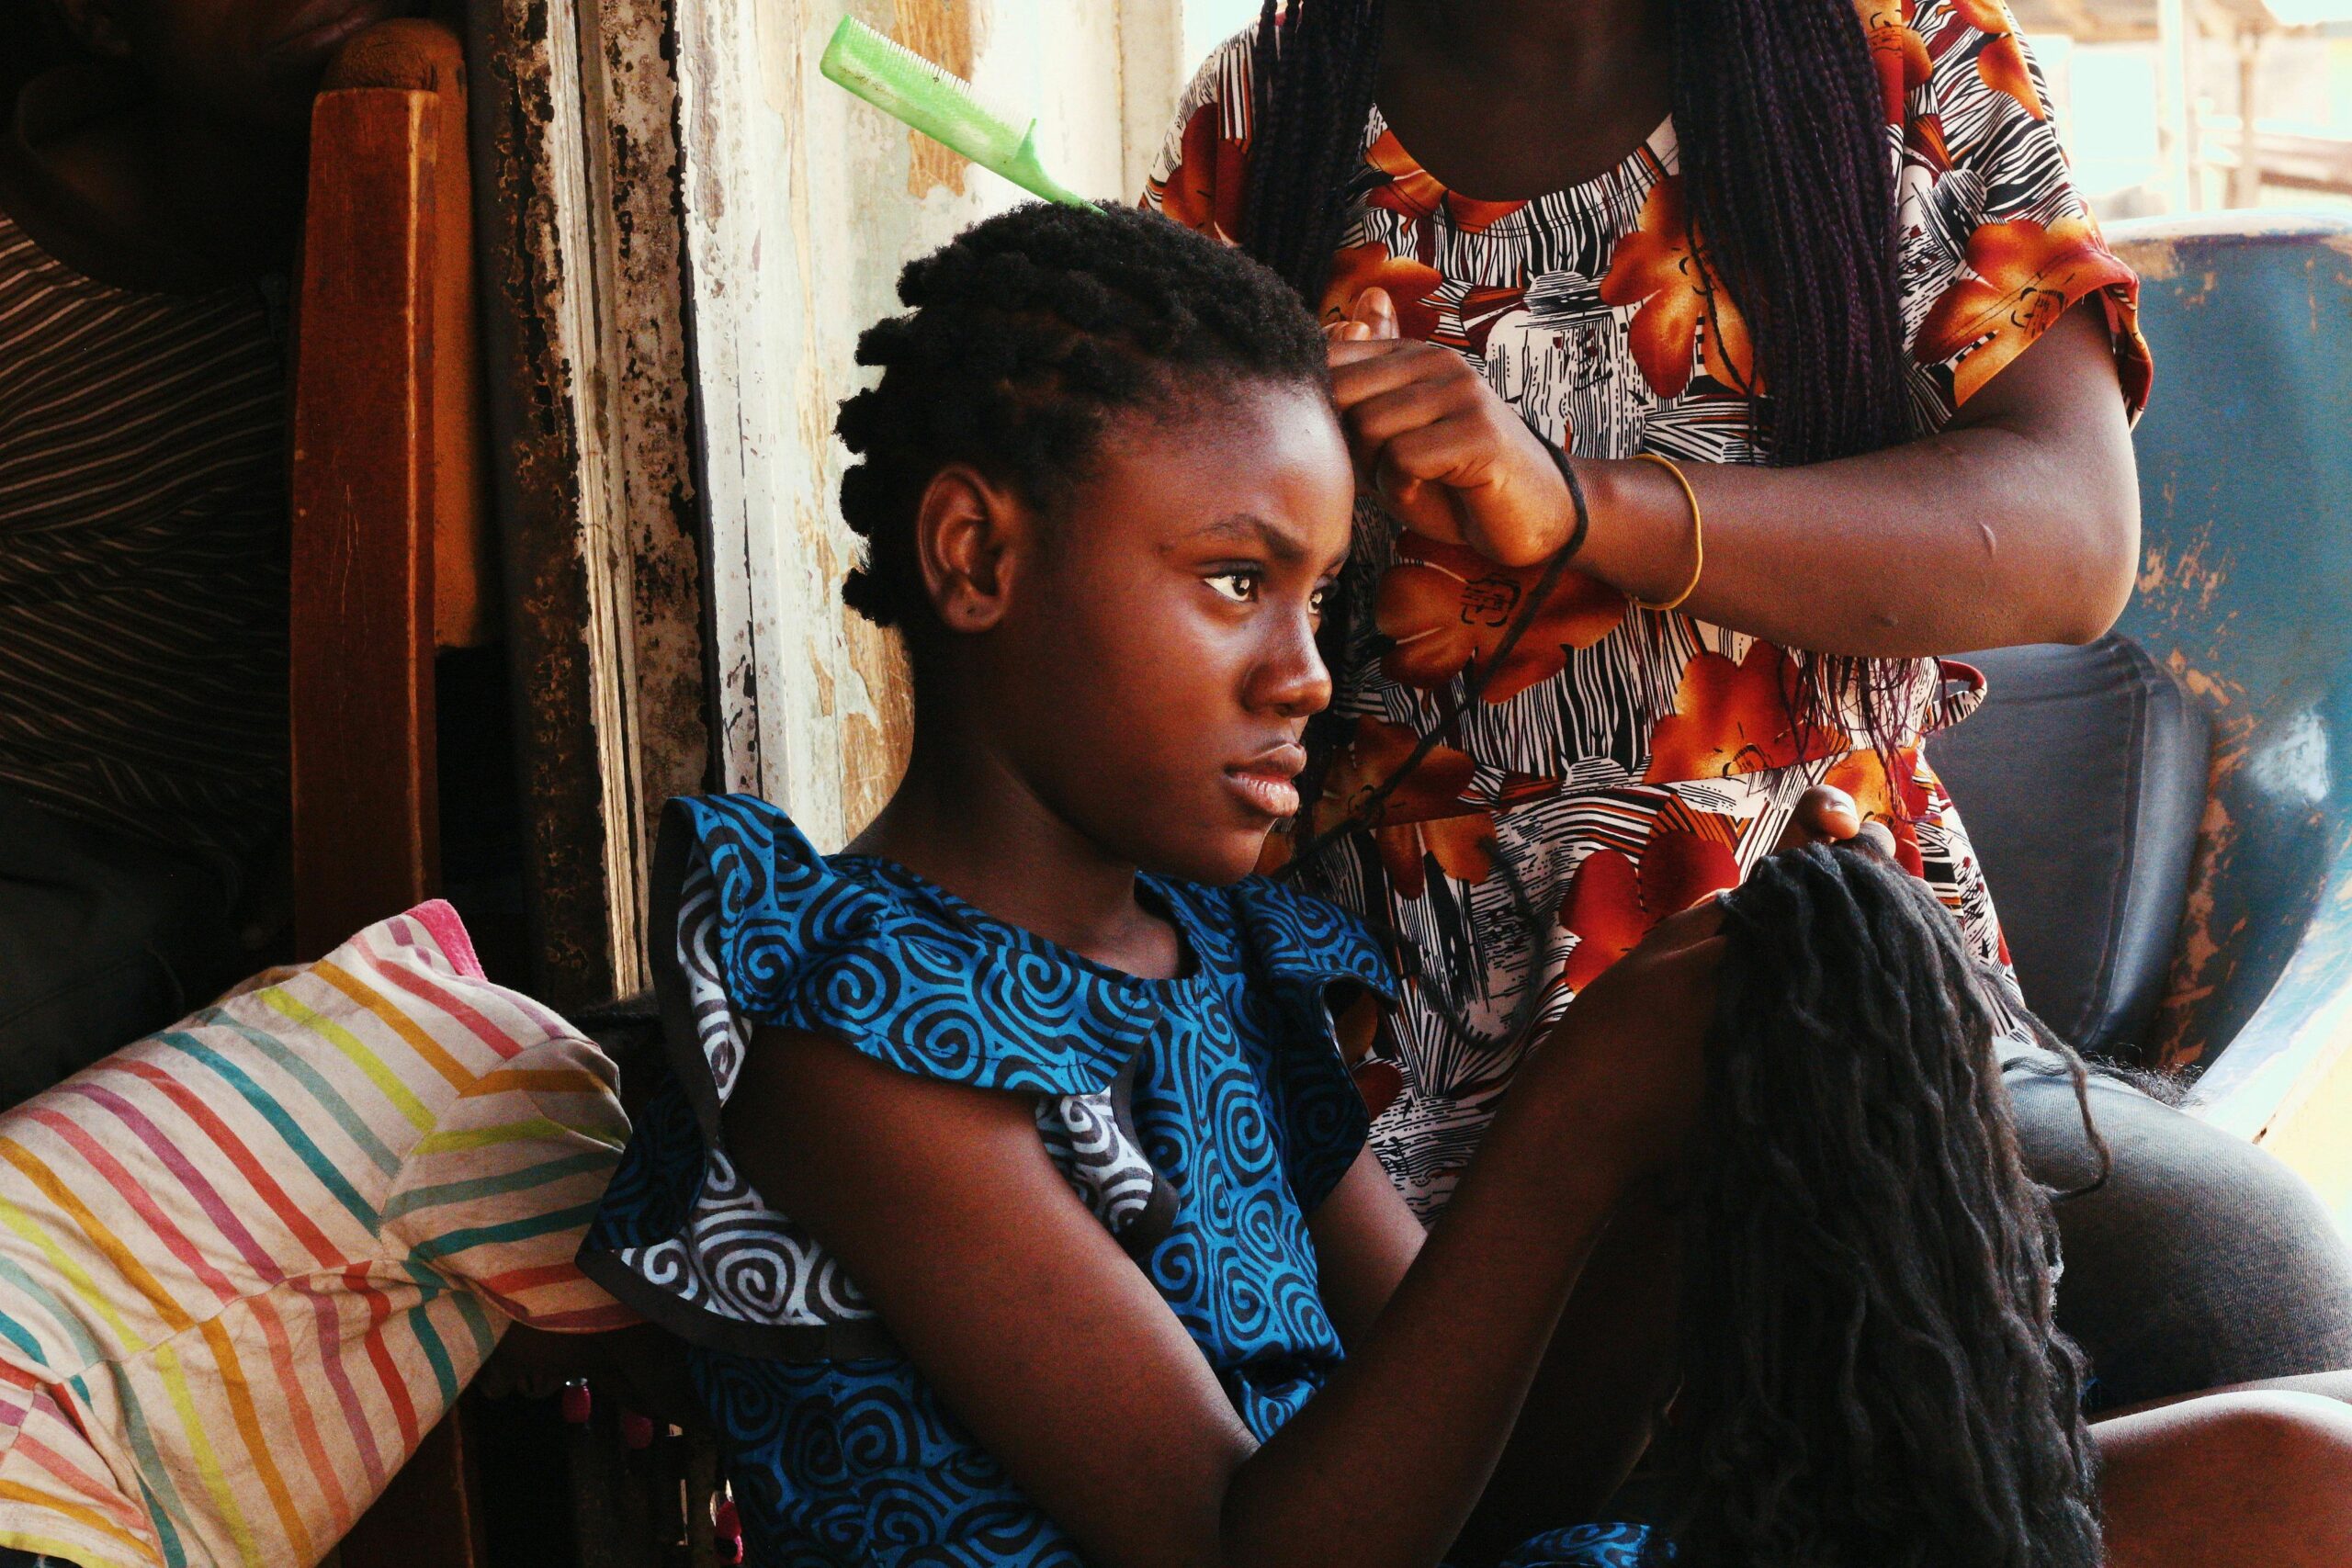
(389, 558)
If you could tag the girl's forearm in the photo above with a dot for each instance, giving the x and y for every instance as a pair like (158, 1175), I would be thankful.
(1386, 1462)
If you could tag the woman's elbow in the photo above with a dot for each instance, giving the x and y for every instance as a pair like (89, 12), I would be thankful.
(2105, 565)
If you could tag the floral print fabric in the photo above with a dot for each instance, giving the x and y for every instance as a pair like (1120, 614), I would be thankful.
(1624, 762)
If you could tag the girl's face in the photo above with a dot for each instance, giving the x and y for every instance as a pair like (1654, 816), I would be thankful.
(1158, 676)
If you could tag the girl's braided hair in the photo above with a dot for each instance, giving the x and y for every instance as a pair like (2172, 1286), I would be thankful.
(1789, 173)
(1872, 1377)
(1027, 334)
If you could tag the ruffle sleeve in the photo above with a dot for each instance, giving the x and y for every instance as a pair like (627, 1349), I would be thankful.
(1996, 244)
(767, 933)
(758, 929)
(1308, 957)
(1202, 173)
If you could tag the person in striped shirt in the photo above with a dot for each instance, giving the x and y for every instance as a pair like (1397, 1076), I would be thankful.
(150, 195)
(246, 1263)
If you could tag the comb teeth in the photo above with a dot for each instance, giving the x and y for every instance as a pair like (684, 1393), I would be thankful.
(941, 105)
(937, 72)
(925, 95)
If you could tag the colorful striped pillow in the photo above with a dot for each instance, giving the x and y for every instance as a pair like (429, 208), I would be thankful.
(247, 1263)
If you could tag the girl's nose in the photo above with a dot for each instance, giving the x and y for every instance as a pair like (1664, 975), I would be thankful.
(1292, 679)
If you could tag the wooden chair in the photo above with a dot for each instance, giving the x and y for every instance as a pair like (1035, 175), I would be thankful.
(390, 553)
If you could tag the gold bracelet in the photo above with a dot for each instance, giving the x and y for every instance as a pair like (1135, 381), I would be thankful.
(1698, 533)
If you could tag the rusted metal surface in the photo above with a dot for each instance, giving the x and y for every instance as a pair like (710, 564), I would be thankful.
(631, 87)
(2246, 593)
(536, 464)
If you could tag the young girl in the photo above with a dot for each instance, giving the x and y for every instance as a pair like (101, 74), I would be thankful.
(1010, 1191)
(1830, 271)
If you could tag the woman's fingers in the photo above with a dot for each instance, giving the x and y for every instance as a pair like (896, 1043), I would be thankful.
(1824, 815)
(1382, 417)
(1377, 312)
(1446, 453)
(1367, 364)
(1421, 476)
(1827, 815)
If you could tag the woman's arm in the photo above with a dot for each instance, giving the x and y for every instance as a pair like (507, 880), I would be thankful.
(1052, 1346)
(2018, 522)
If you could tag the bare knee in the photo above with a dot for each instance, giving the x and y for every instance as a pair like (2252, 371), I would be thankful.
(2261, 1477)
(2287, 1433)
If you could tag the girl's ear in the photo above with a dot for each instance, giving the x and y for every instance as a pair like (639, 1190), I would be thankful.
(969, 533)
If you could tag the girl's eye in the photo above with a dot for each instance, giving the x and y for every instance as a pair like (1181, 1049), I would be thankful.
(1316, 606)
(1242, 587)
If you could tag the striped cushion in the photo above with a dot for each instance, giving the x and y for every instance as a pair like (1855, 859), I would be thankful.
(247, 1263)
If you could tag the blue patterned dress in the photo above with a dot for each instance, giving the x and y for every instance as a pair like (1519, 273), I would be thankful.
(1200, 1119)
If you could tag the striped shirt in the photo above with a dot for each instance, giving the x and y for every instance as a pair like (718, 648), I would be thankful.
(143, 555)
(247, 1263)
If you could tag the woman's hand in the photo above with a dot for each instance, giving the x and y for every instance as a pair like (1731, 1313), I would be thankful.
(2018, 522)
(1633, 1045)
(1827, 815)
(1448, 456)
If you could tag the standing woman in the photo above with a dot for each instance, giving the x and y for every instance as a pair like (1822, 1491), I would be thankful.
(1763, 314)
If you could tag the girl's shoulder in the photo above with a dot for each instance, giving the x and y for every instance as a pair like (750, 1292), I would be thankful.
(1274, 933)
(769, 933)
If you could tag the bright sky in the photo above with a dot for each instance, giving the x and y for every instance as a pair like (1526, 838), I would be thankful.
(2309, 13)
(1208, 23)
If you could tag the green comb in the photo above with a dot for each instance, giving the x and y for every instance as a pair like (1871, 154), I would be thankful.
(905, 85)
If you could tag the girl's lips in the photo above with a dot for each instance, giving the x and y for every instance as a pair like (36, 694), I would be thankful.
(1271, 795)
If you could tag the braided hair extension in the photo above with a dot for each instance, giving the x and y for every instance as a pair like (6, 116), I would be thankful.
(1791, 200)
(1310, 94)
(1026, 334)
(1872, 1377)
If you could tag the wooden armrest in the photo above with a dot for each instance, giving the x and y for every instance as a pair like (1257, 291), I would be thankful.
(391, 559)
(416, 56)
(389, 547)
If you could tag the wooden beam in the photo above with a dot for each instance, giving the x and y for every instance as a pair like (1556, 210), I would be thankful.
(366, 829)
(2245, 180)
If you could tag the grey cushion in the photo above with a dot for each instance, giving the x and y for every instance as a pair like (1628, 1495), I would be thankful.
(2082, 780)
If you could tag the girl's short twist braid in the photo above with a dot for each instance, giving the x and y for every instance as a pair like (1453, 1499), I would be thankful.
(1026, 334)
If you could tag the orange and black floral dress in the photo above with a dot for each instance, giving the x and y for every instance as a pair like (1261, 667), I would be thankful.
(1624, 762)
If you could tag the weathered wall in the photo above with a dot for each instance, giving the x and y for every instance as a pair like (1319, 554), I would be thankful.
(800, 204)
(581, 268)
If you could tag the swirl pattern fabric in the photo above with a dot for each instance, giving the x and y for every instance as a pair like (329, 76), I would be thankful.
(1219, 1096)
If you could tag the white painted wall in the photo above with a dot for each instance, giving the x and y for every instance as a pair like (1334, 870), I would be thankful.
(799, 216)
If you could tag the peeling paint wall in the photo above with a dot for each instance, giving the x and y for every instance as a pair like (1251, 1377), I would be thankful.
(631, 87)
(581, 260)
(801, 204)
